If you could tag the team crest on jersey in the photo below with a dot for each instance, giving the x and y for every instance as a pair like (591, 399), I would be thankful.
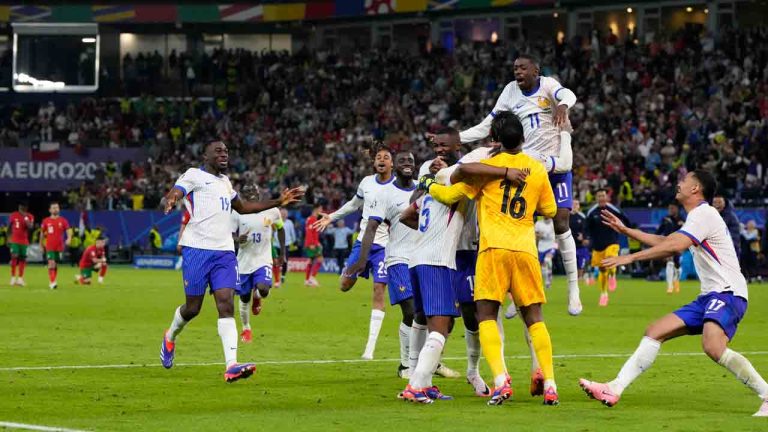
(543, 103)
(402, 288)
(267, 221)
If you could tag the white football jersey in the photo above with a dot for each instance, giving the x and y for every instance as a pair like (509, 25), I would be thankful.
(545, 233)
(535, 111)
(713, 253)
(209, 202)
(370, 190)
(256, 252)
(391, 203)
(439, 228)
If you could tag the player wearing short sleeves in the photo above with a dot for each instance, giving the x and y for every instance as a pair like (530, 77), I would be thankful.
(366, 197)
(541, 104)
(604, 242)
(313, 249)
(545, 236)
(578, 223)
(390, 203)
(507, 255)
(20, 224)
(208, 251)
(94, 257)
(254, 257)
(715, 313)
(53, 229)
(671, 223)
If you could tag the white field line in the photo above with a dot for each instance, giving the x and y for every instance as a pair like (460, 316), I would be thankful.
(24, 426)
(338, 361)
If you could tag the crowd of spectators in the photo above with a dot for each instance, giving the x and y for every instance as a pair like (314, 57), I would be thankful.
(646, 113)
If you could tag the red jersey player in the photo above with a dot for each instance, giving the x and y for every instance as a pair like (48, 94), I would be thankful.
(94, 258)
(312, 247)
(20, 223)
(53, 229)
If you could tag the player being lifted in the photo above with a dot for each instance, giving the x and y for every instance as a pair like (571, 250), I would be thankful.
(714, 314)
(53, 230)
(254, 257)
(541, 104)
(208, 251)
(21, 223)
(94, 258)
(389, 204)
(507, 258)
(367, 193)
(545, 236)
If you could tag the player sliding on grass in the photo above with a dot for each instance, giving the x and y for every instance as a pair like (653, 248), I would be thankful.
(716, 312)
(507, 258)
(208, 251)
(254, 258)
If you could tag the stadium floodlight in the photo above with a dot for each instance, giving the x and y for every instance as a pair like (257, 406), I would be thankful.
(629, 10)
(89, 40)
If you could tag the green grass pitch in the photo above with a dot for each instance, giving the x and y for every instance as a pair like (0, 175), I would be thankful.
(301, 383)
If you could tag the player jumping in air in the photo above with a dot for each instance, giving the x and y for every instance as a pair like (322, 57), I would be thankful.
(94, 258)
(21, 223)
(53, 230)
(208, 251)
(541, 104)
(507, 256)
(714, 314)
(367, 194)
(604, 242)
(254, 257)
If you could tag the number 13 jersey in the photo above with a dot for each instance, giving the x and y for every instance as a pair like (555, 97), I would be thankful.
(505, 211)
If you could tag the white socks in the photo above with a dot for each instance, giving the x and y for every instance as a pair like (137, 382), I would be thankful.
(567, 247)
(547, 268)
(377, 317)
(534, 359)
(245, 313)
(744, 371)
(405, 336)
(177, 325)
(639, 362)
(670, 273)
(429, 358)
(228, 335)
(416, 343)
(473, 351)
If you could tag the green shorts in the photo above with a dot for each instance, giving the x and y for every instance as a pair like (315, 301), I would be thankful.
(275, 252)
(86, 273)
(313, 251)
(53, 255)
(20, 250)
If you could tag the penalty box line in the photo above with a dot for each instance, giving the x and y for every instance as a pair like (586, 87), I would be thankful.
(337, 361)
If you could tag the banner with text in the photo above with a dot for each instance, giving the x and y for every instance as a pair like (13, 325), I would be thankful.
(23, 170)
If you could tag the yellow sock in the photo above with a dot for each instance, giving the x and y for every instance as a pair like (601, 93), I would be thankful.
(602, 278)
(542, 344)
(490, 341)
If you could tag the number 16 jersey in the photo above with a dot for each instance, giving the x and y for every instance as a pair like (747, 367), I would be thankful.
(505, 211)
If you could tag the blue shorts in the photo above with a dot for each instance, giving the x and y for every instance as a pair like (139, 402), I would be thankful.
(202, 268)
(374, 265)
(582, 257)
(262, 276)
(433, 291)
(562, 186)
(543, 254)
(464, 276)
(399, 283)
(724, 308)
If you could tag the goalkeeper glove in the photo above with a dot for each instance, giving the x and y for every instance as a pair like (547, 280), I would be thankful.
(426, 181)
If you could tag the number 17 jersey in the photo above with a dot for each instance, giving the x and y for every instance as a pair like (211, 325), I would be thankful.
(505, 211)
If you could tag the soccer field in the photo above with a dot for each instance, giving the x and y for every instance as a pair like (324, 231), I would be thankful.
(87, 358)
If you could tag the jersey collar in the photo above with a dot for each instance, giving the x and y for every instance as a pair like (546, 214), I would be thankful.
(534, 89)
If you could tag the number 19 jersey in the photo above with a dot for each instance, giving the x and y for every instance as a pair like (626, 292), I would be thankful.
(209, 202)
(439, 228)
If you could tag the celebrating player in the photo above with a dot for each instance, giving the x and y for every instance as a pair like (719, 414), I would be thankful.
(367, 194)
(671, 223)
(714, 314)
(208, 251)
(254, 258)
(545, 235)
(604, 242)
(313, 249)
(507, 255)
(94, 258)
(53, 229)
(21, 224)
(531, 97)
(389, 204)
